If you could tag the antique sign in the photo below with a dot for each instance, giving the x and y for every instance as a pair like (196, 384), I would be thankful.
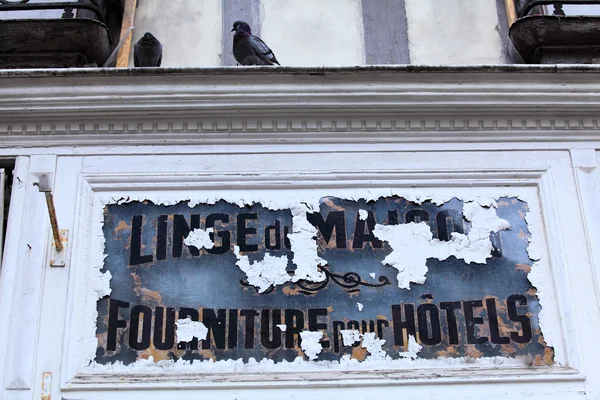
(382, 279)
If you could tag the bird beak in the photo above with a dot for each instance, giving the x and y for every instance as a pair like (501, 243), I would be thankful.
(233, 30)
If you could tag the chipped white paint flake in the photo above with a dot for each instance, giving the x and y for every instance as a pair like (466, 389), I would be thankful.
(350, 336)
(311, 345)
(360, 306)
(200, 238)
(412, 244)
(282, 327)
(413, 349)
(270, 271)
(374, 346)
(363, 214)
(101, 284)
(372, 275)
(304, 247)
(187, 330)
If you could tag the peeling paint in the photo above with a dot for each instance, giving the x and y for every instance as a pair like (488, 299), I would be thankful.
(200, 238)
(311, 345)
(412, 244)
(359, 306)
(270, 271)
(304, 247)
(363, 214)
(187, 330)
(350, 336)
(473, 247)
(412, 350)
(374, 346)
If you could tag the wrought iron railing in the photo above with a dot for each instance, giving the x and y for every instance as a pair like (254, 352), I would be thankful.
(528, 6)
(95, 6)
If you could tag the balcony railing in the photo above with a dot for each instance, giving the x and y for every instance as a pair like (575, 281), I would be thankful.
(555, 31)
(75, 33)
(529, 6)
(95, 6)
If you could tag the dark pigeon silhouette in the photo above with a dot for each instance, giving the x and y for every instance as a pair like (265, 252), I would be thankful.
(147, 52)
(249, 49)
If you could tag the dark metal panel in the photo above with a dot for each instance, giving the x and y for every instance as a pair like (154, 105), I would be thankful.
(462, 310)
(236, 10)
(385, 32)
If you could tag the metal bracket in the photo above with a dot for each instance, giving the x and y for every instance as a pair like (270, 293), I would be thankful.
(58, 255)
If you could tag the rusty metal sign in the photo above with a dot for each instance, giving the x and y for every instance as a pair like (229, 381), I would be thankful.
(459, 308)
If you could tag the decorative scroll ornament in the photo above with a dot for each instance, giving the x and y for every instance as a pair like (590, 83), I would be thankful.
(350, 282)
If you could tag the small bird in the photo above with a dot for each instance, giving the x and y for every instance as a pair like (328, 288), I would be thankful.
(147, 52)
(249, 49)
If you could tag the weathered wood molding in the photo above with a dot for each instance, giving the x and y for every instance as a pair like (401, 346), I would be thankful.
(228, 105)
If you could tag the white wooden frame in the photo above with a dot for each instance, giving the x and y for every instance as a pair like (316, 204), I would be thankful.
(133, 183)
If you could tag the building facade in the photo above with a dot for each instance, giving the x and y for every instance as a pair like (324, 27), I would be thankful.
(398, 211)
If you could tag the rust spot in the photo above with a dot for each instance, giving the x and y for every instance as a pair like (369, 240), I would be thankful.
(359, 353)
(122, 227)
(548, 356)
(329, 202)
(503, 203)
(523, 267)
(46, 385)
(450, 351)
(472, 352)
(289, 291)
(151, 295)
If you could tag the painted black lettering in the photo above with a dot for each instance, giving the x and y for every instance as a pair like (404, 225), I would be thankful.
(243, 231)
(393, 217)
(114, 323)
(449, 307)
(496, 244)
(139, 314)
(337, 327)
(270, 334)
(249, 315)
(286, 240)
(224, 236)
(360, 236)
(181, 230)
(449, 221)
(400, 324)
(232, 329)
(354, 325)
(430, 332)
(511, 304)
(490, 305)
(161, 237)
(216, 327)
(315, 325)
(273, 236)
(135, 256)
(294, 319)
(194, 315)
(471, 321)
(416, 216)
(335, 220)
(164, 332)
(381, 323)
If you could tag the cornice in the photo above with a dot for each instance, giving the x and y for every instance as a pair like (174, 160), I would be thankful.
(299, 105)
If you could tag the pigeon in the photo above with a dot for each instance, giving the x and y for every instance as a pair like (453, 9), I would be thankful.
(249, 49)
(147, 52)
